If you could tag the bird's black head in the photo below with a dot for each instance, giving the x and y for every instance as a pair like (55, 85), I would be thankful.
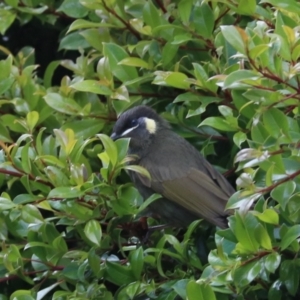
(141, 124)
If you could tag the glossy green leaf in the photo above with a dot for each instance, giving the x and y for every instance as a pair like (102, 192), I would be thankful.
(64, 192)
(283, 192)
(92, 86)
(62, 104)
(93, 232)
(272, 261)
(118, 274)
(199, 291)
(115, 54)
(184, 9)
(236, 37)
(110, 148)
(218, 123)
(137, 262)
(291, 235)
(275, 122)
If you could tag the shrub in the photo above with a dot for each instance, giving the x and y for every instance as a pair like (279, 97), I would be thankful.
(225, 74)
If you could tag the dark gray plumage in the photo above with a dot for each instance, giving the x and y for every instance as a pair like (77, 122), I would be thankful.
(190, 186)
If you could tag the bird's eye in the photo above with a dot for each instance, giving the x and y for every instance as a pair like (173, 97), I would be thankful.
(134, 122)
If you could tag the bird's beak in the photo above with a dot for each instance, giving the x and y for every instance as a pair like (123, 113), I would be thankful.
(114, 136)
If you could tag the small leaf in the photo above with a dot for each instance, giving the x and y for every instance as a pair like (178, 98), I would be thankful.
(218, 123)
(92, 86)
(134, 62)
(283, 192)
(272, 262)
(139, 169)
(269, 216)
(236, 37)
(291, 235)
(199, 291)
(64, 105)
(110, 148)
(137, 262)
(82, 24)
(93, 232)
(276, 122)
(64, 193)
(32, 119)
(6, 204)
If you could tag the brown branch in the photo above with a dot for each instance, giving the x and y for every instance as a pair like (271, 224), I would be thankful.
(127, 25)
(221, 16)
(271, 187)
(284, 99)
(20, 174)
(161, 6)
(12, 277)
(271, 76)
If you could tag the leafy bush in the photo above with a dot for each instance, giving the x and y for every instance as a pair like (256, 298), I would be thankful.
(224, 73)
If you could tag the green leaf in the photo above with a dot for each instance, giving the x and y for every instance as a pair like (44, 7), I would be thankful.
(236, 78)
(263, 237)
(147, 202)
(31, 214)
(4, 134)
(276, 122)
(239, 138)
(246, 7)
(96, 38)
(62, 104)
(85, 128)
(199, 291)
(245, 231)
(177, 80)
(272, 262)
(64, 193)
(92, 86)
(82, 24)
(236, 37)
(289, 275)
(110, 148)
(184, 10)
(118, 274)
(151, 15)
(204, 20)
(25, 159)
(291, 6)
(244, 275)
(139, 169)
(269, 216)
(21, 295)
(7, 17)
(115, 54)
(218, 123)
(73, 9)
(32, 118)
(6, 204)
(73, 41)
(137, 262)
(134, 62)
(93, 232)
(5, 84)
(291, 235)
(283, 192)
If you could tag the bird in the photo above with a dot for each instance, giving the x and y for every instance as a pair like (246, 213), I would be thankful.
(191, 188)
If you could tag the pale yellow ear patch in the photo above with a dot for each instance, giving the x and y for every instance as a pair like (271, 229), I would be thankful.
(150, 125)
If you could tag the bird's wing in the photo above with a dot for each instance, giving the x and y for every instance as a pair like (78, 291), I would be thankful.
(204, 193)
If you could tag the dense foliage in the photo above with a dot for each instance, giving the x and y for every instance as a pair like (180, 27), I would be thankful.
(224, 73)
